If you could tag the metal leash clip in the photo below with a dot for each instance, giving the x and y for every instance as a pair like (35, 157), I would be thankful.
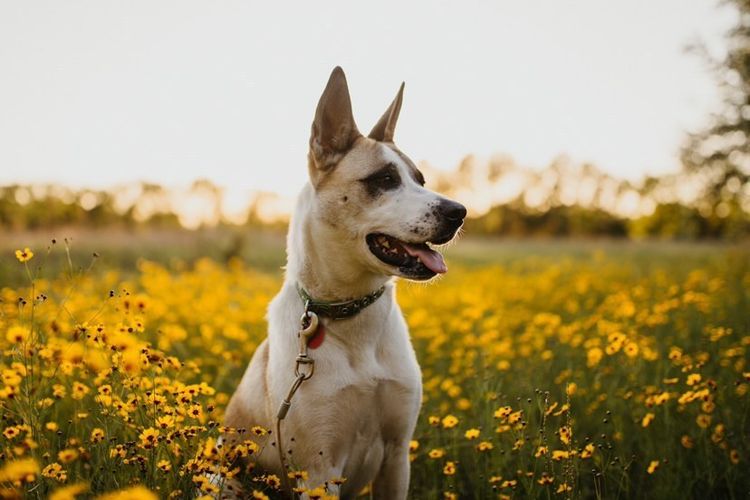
(308, 327)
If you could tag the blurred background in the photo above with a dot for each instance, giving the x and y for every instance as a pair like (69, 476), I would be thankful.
(182, 127)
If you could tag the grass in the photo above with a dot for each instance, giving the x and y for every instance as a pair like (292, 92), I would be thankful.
(595, 369)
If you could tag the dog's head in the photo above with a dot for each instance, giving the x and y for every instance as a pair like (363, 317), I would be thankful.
(372, 194)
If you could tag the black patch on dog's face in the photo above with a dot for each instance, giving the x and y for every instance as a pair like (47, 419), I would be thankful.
(386, 178)
(413, 170)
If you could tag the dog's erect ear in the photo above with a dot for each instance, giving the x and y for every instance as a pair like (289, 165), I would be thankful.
(385, 128)
(333, 130)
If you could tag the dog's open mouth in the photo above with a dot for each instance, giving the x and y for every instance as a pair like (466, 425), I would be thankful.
(414, 260)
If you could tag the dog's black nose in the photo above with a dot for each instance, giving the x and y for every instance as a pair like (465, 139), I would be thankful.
(452, 210)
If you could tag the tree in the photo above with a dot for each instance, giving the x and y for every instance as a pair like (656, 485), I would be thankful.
(720, 154)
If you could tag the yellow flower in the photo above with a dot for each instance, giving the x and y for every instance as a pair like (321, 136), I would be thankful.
(164, 465)
(19, 471)
(734, 457)
(67, 455)
(545, 479)
(132, 493)
(299, 475)
(693, 379)
(652, 466)
(563, 488)
(463, 404)
(11, 432)
(97, 435)
(687, 441)
(55, 471)
(449, 422)
(472, 434)
(631, 349)
(69, 492)
(647, 419)
(316, 493)
(433, 420)
(149, 438)
(51, 426)
(503, 412)
(571, 388)
(273, 481)
(541, 451)
(259, 495)
(436, 453)
(196, 411)
(587, 451)
(675, 353)
(79, 390)
(565, 434)
(593, 357)
(24, 255)
(703, 421)
(17, 334)
(165, 422)
(484, 446)
(449, 469)
(413, 445)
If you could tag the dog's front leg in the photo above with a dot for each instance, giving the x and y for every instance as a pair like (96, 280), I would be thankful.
(392, 481)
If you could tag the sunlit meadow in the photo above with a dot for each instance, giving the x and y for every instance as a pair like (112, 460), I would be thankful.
(573, 375)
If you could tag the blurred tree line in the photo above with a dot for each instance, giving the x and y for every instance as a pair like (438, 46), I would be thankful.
(41, 207)
(562, 200)
(139, 205)
(567, 200)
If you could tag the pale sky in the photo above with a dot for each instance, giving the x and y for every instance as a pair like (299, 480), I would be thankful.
(101, 92)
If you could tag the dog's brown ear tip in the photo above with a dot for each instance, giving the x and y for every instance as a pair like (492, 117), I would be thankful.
(337, 71)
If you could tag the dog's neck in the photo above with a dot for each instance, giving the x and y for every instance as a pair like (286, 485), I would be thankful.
(321, 262)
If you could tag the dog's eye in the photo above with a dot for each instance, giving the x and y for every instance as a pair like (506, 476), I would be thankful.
(385, 179)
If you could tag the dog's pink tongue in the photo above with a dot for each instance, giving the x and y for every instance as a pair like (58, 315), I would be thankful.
(429, 257)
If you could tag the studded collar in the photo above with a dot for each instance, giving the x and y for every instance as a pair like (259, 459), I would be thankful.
(338, 309)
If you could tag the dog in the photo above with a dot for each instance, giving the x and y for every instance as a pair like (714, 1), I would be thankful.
(363, 218)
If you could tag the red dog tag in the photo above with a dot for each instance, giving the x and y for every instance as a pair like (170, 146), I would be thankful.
(317, 339)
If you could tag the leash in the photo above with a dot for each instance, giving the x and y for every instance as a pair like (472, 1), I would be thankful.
(304, 365)
(308, 327)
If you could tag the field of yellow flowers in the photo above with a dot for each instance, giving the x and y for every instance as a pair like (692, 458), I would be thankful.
(546, 376)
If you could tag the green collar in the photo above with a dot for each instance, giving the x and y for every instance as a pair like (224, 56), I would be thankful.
(338, 310)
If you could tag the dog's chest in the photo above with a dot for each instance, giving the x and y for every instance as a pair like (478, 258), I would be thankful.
(365, 421)
(364, 403)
